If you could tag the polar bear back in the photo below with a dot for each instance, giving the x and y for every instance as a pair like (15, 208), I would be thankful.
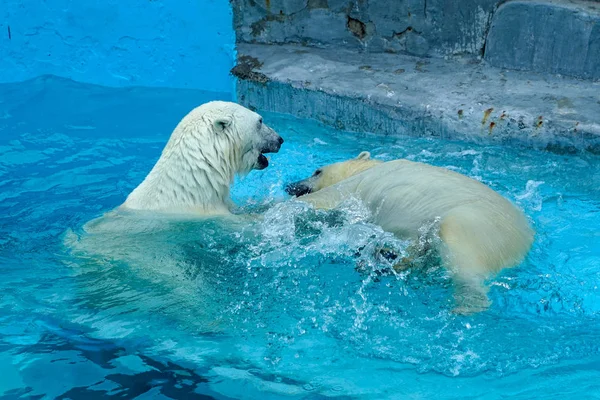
(407, 194)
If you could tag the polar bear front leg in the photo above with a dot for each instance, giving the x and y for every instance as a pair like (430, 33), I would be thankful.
(462, 254)
(470, 294)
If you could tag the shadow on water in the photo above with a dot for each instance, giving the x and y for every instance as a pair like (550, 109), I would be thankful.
(160, 377)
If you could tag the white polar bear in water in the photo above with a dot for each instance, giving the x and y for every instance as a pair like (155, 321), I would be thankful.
(169, 214)
(210, 145)
(170, 236)
(481, 232)
(192, 177)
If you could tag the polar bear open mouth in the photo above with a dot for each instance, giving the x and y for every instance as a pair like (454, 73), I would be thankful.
(272, 146)
(263, 162)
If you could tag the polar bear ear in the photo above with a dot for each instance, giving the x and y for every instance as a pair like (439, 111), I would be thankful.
(365, 155)
(221, 124)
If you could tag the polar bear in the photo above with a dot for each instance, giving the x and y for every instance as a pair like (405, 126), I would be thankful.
(162, 238)
(191, 179)
(481, 232)
(210, 145)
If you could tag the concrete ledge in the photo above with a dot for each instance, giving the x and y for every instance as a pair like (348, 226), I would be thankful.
(404, 95)
(554, 36)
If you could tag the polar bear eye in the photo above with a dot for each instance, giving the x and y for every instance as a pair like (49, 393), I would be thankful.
(260, 122)
(318, 172)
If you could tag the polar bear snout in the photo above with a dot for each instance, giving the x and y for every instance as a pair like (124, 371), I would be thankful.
(272, 145)
(299, 188)
(271, 141)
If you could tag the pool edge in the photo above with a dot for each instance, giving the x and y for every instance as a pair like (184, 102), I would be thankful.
(446, 99)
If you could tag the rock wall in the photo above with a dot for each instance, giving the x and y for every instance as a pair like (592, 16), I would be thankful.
(547, 36)
(418, 27)
(556, 36)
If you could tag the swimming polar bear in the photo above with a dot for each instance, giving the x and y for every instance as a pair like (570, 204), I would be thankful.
(210, 145)
(189, 184)
(192, 177)
(481, 232)
(159, 241)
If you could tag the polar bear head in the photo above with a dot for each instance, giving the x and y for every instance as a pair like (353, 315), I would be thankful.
(332, 174)
(226, 134)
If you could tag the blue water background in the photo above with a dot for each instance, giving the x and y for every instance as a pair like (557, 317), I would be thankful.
(183, 44)
(276, 308)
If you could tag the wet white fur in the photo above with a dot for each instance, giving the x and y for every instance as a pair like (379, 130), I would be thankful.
(482, 232)
(210, 145)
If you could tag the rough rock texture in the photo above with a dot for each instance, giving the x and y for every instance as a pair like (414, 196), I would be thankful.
(420, 27)
(394, 94)
(557, 36)
(549, 36)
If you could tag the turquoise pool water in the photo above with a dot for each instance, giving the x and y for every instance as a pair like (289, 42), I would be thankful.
(274, 307)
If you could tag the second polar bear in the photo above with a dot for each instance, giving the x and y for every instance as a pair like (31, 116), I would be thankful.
(481, 232)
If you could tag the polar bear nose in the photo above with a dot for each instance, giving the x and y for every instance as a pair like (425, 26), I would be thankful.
(297, 189)
(272, 143)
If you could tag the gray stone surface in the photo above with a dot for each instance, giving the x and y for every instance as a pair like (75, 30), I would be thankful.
(555, 36)
(550, 36)
(392, 94)
(420, 27)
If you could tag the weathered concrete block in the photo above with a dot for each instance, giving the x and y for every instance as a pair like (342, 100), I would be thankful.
(316, 27)
(343, 6)
(395, 17)
(309, 22)
(460, 27)
(400, 94)
(419, 27)
(557, 36)
(546, 36)
(286, 7)
(249, 22)
(324, 27)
